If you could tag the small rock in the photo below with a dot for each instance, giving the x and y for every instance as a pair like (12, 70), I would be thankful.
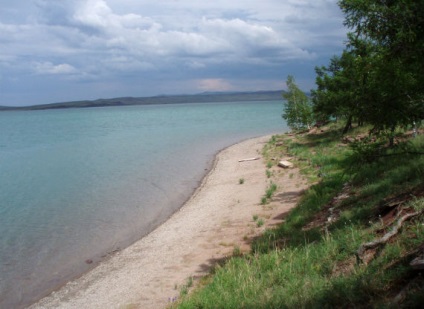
(285, 164)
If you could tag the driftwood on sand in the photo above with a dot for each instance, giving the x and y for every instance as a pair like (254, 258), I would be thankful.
(249, 159)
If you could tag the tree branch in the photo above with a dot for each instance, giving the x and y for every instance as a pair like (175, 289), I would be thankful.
(386, 237)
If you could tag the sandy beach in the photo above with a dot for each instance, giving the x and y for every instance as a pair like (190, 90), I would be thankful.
(216, 219)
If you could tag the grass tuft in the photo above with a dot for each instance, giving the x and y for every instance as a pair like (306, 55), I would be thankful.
(260, 222)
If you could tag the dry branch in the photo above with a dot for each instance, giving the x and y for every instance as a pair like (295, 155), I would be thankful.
(386, 237)
(249, 159)
(417, 263)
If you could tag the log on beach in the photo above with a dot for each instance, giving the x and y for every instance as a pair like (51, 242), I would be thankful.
(249, 159)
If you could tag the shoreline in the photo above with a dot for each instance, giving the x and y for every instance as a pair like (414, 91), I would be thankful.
(216, 219)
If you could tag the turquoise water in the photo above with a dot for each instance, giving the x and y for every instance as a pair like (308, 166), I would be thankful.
(77, 184)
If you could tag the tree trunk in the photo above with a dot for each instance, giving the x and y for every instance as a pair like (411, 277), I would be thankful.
(348, 125)
(392, 137)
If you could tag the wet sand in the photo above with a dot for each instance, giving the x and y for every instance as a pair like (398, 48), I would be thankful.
(214, 221)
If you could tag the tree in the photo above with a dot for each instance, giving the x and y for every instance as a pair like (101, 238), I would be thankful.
(343, 87)
(395, 28)
(379, 76)
(297, 108)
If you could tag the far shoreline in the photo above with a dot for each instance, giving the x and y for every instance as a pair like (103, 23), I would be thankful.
(208, 97)
(139, 263)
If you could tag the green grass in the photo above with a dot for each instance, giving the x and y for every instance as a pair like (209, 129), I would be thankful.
(269, 192)
(309, 261)
(260, 222)
(185, 288)
(268, 173)
(237, 251)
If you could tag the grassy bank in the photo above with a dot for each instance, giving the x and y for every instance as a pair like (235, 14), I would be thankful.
(349, 242)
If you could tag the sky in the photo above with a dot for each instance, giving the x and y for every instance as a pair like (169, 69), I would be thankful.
(67, 50)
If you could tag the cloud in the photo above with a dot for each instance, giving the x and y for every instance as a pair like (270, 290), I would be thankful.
(214, 84)
(50, 68)
(99, 27)
(114, 40)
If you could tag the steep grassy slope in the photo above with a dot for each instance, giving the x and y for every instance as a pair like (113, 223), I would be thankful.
(352, 241)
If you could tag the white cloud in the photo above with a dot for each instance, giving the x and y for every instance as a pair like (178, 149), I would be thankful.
(50, 68)
(94, 13)
(144, 36)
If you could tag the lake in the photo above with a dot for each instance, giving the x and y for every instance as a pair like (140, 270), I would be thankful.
(79, 184)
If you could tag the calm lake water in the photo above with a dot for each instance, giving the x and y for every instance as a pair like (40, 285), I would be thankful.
(77, 184)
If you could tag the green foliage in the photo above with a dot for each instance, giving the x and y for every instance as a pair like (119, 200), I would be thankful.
(268, 173)
(299, 265)
(237, 251)
(341, 88)
(297, 108)
(270, 190)
(185, 288)
(366, 151)
(260, 222)
(378, 78)
(268, 193)
(309, 261)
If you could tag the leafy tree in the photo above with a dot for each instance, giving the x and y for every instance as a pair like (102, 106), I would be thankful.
(343, 87)
(378, 79)
(396, 74)
(297, 108)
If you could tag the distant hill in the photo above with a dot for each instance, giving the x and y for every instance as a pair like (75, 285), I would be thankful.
(162, 99)
(6, 108)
